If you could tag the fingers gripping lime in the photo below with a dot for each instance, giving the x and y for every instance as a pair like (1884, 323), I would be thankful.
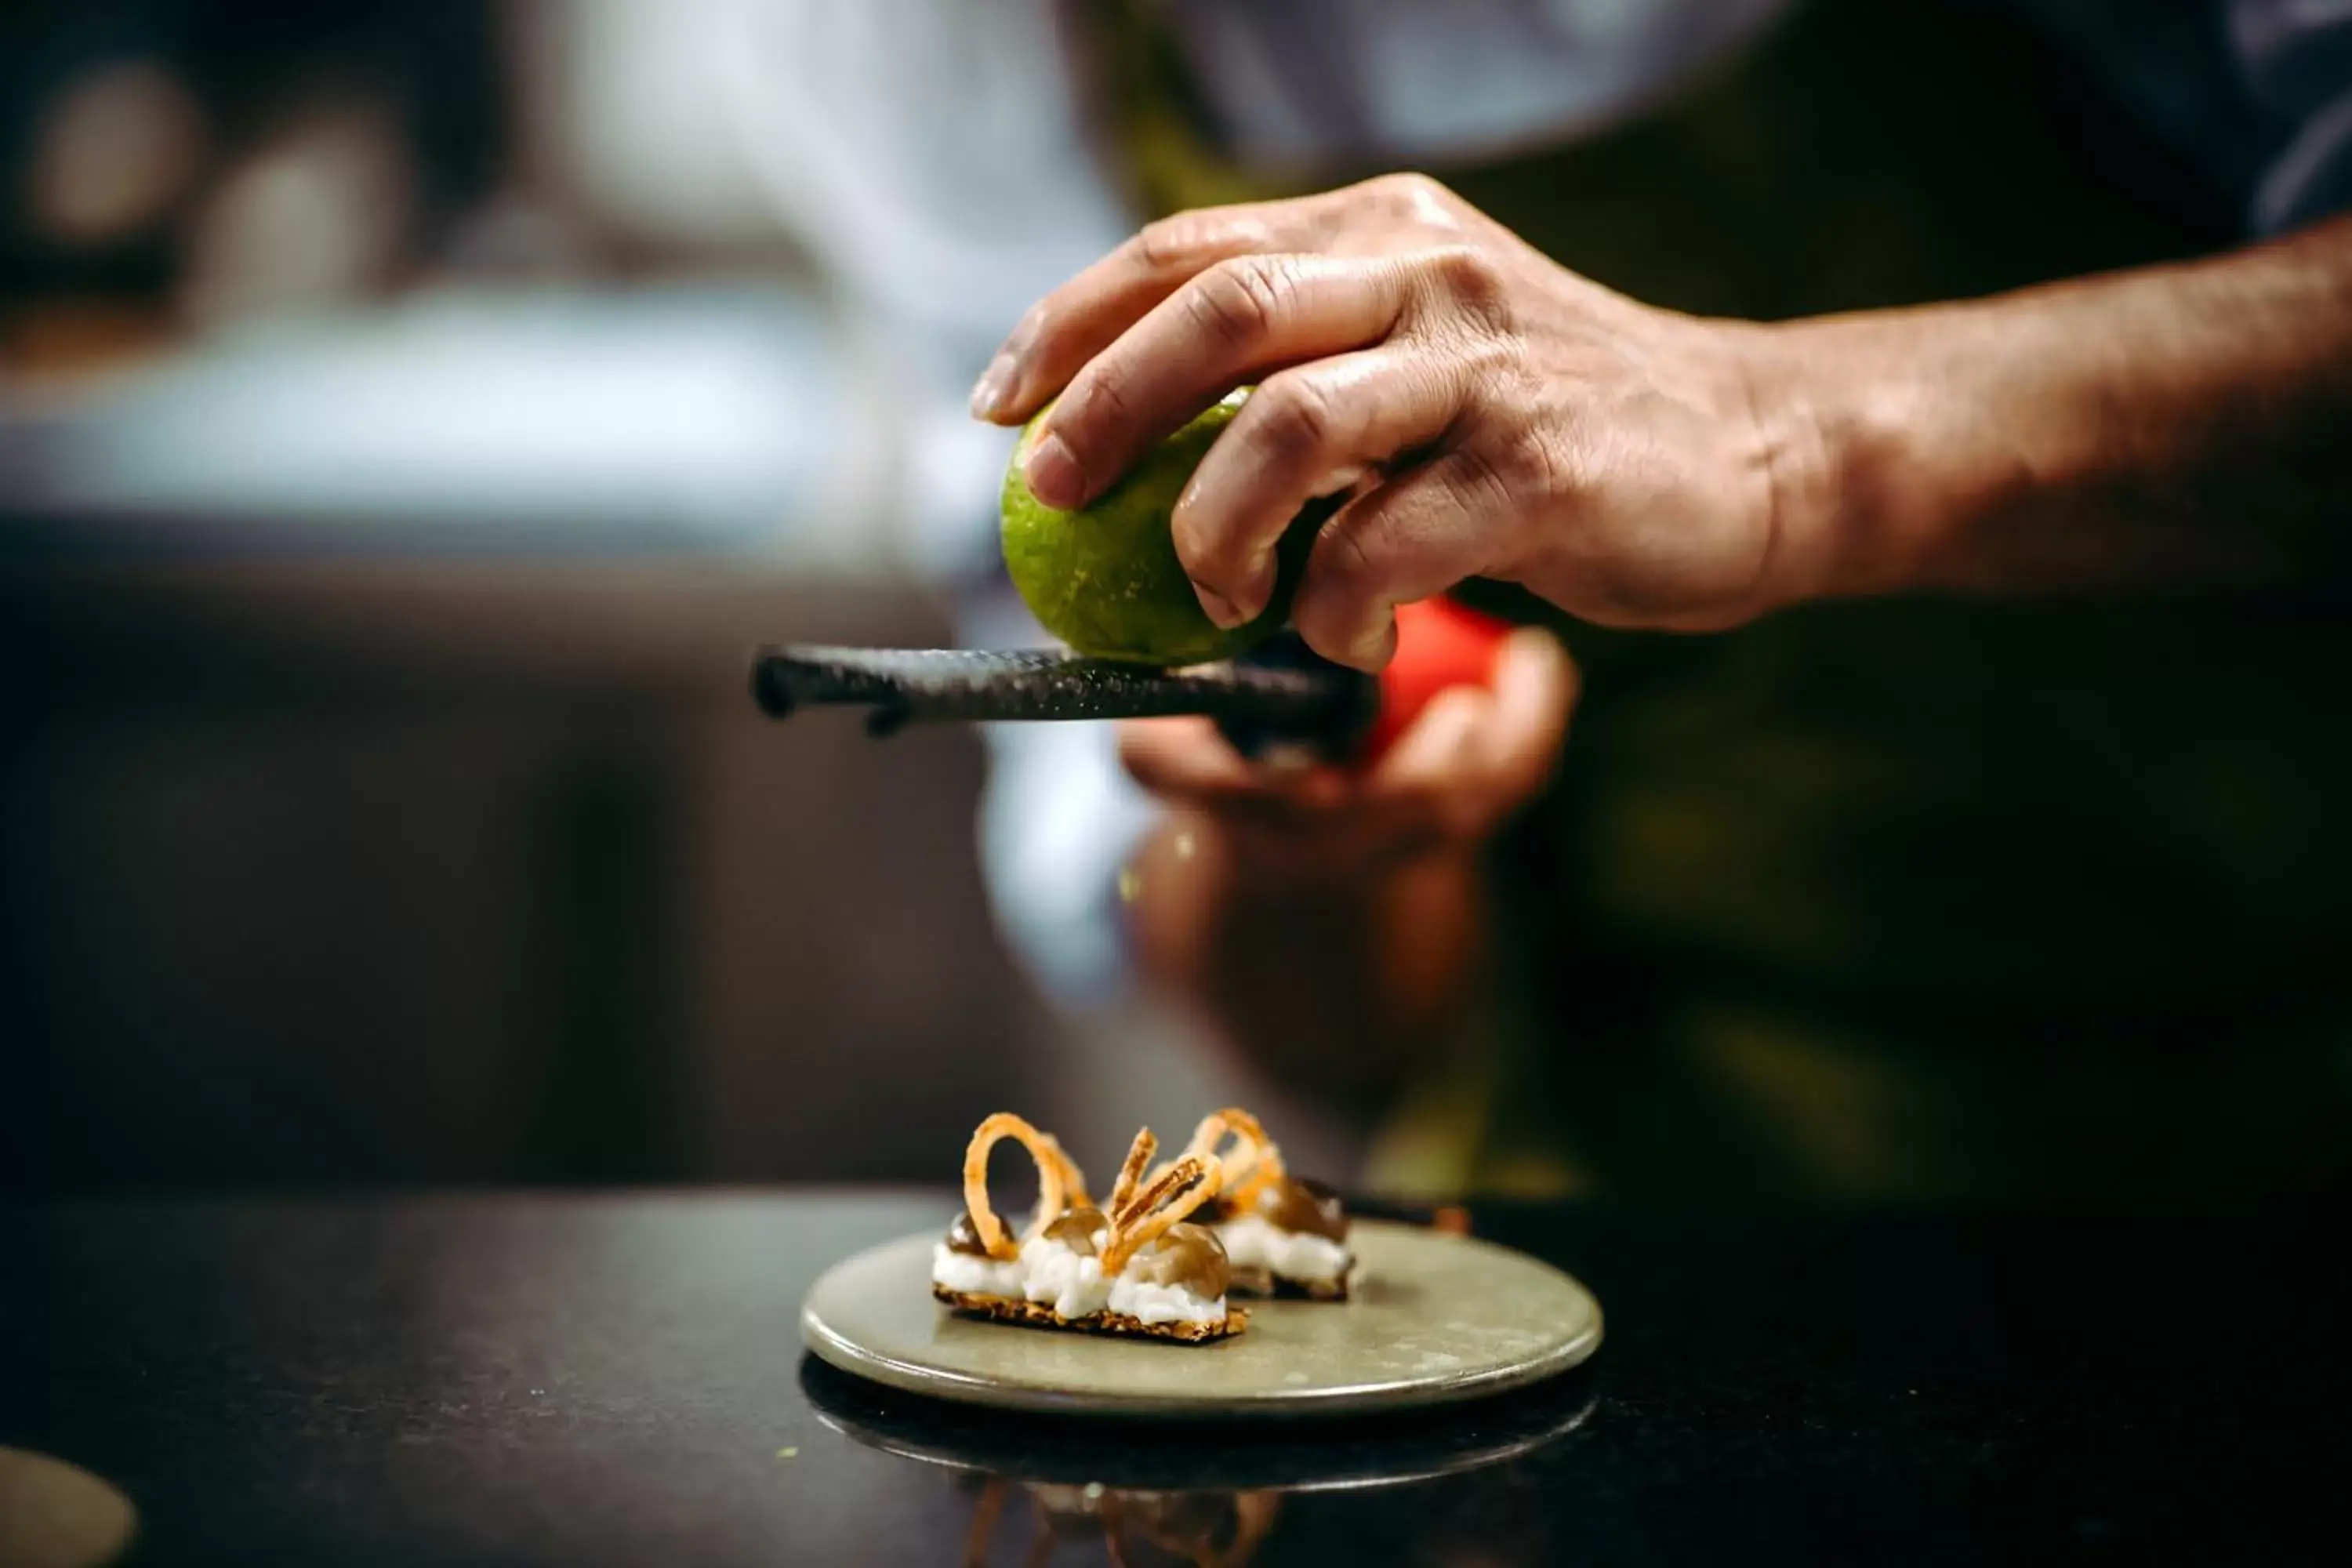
(1105, 578)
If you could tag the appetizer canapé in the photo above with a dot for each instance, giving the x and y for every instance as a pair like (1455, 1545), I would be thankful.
(1132, 1266)
(1283, 1235)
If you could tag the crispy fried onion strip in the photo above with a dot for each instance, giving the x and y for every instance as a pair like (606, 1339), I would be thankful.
(1163, 1184)
(1139, 1159)
(1051, 1180)
(1074, 1181)
(1250, 1164)
(1168, 1201)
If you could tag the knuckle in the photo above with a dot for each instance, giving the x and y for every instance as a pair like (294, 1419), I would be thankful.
(1470, 286)
(1481, 481)
(1237, 303)
(1490, 376)
(1410, 192)
(1213, 551)
(1210, 555)
(1103, 400)
(1352, 551)
(1499, 366)
(1540, 467)
(1186, 241)
(1523, 471)
(1168, 242)
(1296, 424)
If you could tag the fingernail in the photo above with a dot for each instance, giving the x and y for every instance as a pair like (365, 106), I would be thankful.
(1053, 473)
(996, 382)
(1218, 608)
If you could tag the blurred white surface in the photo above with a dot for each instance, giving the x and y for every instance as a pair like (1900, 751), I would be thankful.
(678, 418)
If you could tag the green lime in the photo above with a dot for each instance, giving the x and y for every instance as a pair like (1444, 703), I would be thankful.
(1105, 578)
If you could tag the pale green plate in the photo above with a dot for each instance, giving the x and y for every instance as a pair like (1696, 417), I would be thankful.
(54, 1515)
(1435, 1318)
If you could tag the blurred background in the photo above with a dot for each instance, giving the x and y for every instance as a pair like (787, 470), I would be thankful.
(412, 413)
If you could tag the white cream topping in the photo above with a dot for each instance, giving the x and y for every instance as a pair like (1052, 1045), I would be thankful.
(1150, 1303)
(1072, 1281)
(1252, 1242)
(976, 1276)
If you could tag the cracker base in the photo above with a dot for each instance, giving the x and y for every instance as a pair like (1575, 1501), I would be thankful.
(1115, 1325)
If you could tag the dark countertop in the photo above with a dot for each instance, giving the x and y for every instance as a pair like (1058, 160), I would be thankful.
(532, 1379)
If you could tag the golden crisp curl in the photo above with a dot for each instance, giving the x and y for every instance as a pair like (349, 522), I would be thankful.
(1168, 1201)
(1250, 1164)
(1130, 1175)
(1145, 1203)
(1074, 1181)
(1054, 1170)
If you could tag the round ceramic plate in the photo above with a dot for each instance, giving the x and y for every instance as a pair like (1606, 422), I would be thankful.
(53, 1515)
(1434, 1318)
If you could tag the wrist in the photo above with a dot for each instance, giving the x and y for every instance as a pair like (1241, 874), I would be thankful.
(1833, 416)
(1902, 441)
(2175, 426)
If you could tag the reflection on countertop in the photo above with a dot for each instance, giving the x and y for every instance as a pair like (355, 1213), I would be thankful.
(1201, 1494)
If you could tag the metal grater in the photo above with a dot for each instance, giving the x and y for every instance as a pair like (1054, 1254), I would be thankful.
(1280, 694)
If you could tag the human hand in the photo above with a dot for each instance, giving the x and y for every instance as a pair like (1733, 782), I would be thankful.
(1497, 414)
(1472, 756)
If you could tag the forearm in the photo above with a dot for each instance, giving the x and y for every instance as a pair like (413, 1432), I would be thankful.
(1336, 981)
(2181, 427)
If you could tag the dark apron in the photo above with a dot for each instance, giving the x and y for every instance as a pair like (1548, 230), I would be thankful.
(1898, 901)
